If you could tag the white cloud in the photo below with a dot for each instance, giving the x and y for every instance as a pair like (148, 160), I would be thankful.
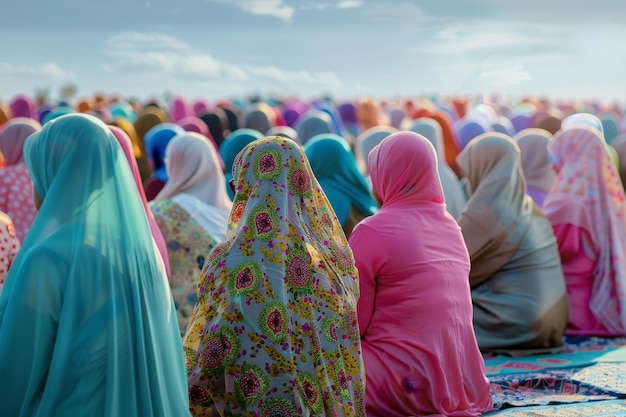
(319, 5)
(49, 70)
(348, 4)
(402, 11)
(275, 8)
(133, 40)
(273, 73)
(177, 59)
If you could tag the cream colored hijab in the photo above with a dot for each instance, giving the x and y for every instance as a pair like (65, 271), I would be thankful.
(193, 167)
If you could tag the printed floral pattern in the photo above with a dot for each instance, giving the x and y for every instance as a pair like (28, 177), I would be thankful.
(187, 247)
(270, 334)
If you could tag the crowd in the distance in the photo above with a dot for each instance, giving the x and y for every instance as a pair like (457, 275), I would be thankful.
(287, 257)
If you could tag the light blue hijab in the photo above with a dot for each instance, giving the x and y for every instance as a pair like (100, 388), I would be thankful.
(336, 170)
(232, 145)
(368, 140)
(313, 123)
(87, 322)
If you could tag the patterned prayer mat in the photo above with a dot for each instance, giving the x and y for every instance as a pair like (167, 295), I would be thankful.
(595, 409)
(585, 370)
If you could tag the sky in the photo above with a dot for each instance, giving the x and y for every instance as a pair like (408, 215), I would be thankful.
(310, 48)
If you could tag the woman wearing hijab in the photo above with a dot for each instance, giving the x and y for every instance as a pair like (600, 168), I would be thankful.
(59, 111)
(9, 246)
(217, 122)
(368, 115)
(335, 167)
(179, 109)
(285, 131)
(450, 139)
(313, 123)
(138, 147)
(275, 330)
(150, 117)
(233, 144)
(452, 190)
(127, 147)
(260, 117)
(415, 308)
(156, 141)
(89, 281)
(587, 209)
(192, 212)
(517, 283)
(468, 129)
(24, 106)
(16, 188)
(588, 119)
(368, 140)
(538, 171)
(5, 114)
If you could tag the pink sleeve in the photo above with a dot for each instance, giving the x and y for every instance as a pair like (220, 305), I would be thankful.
(572, 240)
(370, 258)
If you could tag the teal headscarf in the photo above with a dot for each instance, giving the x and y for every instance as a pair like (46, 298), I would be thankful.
(336, 170)
(87, 321)
(232, 145)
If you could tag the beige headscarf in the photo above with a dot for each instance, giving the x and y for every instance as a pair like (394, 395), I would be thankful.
(533, 144)
(193, 167)
(498, 212)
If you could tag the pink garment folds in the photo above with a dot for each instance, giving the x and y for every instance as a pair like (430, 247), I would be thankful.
(127, 147)
(415, 309)
(588, 196)
(16, 188)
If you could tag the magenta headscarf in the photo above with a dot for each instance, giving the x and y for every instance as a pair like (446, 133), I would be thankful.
(180, 109)
(588, 193)
(12, 138)
(127, 147)
(403, 169)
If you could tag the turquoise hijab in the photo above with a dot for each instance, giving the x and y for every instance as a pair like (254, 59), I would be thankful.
(232, 145)
(336, 170)
(87, 321)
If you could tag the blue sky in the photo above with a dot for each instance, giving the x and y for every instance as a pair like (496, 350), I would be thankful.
(347, 48)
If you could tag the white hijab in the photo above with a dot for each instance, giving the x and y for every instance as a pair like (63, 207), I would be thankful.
(193, 168)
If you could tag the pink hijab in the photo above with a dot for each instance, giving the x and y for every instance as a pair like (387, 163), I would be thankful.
(13, 136)
(16, 188)
(588, 194)
(127, 147)
(396, 180)
(180, 109)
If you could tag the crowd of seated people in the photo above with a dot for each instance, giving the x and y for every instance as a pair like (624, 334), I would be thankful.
(293, 257)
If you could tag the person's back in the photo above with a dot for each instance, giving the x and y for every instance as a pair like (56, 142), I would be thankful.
(516, 278)
(9, 245)
(415, 309)
(529, 293)
(274, 331)
(192, 213)
(587, 209)
(86, 304)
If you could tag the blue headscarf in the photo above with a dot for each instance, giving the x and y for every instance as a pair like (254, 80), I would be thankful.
(56, 112)
(156, 140)
(610, 126)
(123, 110)
(87, 322)
(312, 123)
(336, 170)
(232, 145)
